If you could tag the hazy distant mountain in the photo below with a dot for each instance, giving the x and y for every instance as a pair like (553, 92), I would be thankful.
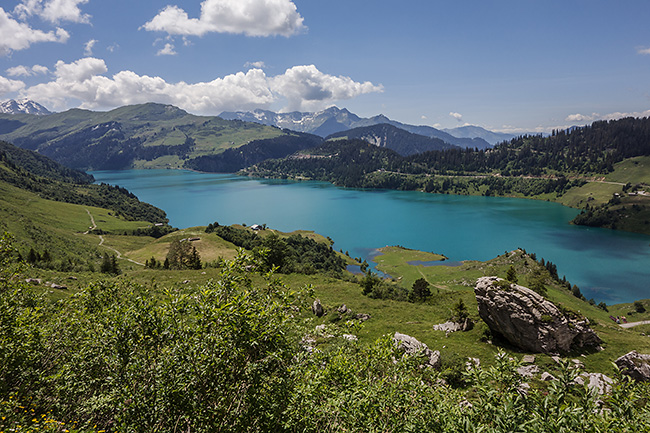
(471, 131)
(333, 120)
(391, 137)
(24, 106)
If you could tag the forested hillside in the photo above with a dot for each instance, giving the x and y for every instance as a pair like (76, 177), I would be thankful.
(233, 160)
(528, 166)
(50, 180)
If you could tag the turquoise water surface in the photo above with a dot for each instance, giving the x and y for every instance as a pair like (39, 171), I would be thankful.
(607, 265)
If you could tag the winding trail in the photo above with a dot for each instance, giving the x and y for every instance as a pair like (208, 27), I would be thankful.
(633, 324)
(101, 241)
(92, 221)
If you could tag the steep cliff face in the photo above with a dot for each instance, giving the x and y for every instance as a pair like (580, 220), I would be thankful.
(529, 321)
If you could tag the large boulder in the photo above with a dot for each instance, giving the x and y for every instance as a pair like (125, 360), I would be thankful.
(529, 321)
(635, 365)
(413, 346)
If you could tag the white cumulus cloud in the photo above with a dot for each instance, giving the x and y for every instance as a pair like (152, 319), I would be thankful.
(643, 50)
(16, 36)
(8, 86)
(588, 118)
(26, 71)
(85, 81)
(88, 47)
(167, 50)
(307, 88)
(249, 17)
(457, 116)
(54, 11)
(582, 117)
(259, 65)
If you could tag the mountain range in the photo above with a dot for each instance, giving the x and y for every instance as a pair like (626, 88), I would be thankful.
(334, 120)
(136, 136)
(24, 106)
(471, 131)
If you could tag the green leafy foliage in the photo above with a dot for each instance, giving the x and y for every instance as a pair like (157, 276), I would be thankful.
(109, 265)
(511, 275)
(223, 357)
(420, 291)
(294, 253)
(182, 255)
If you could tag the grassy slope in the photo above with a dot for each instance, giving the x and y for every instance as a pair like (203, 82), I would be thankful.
(59, 227)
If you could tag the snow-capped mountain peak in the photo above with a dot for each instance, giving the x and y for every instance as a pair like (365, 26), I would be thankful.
(26, 106)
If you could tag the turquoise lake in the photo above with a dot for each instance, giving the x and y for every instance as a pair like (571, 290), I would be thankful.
(607, 265)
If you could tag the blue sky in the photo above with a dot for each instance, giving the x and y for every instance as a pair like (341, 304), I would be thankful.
(511, 65)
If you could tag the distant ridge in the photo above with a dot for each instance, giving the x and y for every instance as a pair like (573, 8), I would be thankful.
(472, 131)
(23, 106)
(334, 120)
(391, 137)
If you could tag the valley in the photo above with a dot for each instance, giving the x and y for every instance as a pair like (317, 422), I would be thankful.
(109, 309)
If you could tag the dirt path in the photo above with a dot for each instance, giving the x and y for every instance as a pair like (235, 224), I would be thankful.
(101, 241)
(633, 324)
(92, 221)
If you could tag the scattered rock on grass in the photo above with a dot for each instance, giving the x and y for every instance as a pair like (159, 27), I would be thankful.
(412, 346)
(635, 365)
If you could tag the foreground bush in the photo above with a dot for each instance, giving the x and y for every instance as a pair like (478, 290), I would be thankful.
(224, 357)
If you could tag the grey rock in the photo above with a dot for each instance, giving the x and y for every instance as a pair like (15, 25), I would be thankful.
(547, 377)
(317, 308)
(34, 281)
(450, 326)
(595, 381)
(529, 321)
(349, 337)
(343, 309)
(635, 365)
(307, 343)
(523, 388)
(528, 359)
(528, 370)
(412, 346)
(577, 363)
(362, 316)
(58, 286)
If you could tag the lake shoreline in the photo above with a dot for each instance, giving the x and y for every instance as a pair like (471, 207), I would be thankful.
(607, 265)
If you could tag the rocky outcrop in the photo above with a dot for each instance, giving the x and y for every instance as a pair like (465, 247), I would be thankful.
(317, 308)
(635, 365)
(412, 346)
(529, 321)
